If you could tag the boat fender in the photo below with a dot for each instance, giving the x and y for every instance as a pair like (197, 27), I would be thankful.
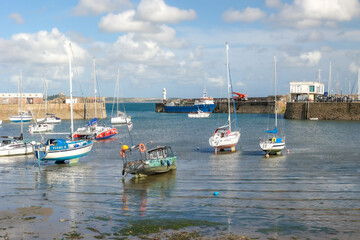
(273, 139)
(76, 145)
(168, 163)
(162, 163)
(123, 172)
(142, 147)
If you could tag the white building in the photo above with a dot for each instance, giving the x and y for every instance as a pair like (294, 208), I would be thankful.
(306, 91)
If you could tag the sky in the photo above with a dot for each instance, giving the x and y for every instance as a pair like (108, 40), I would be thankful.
(178, 45)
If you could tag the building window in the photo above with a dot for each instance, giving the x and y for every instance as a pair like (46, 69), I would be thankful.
(312, 88)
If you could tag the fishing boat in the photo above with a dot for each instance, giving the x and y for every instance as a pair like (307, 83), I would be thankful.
(273, 143)
(92, 129)
(198, 114)
(205, 104)
(157, 160)
(12, 146)
(60, 150)
(225, 137)
(120, 117)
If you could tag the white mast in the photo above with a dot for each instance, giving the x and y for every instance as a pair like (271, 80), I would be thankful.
(228, 82)
(21, 114)
(117, 91)
(275, 91)
(71, 98)
(329, 84)
(359, 83)
(95, 86)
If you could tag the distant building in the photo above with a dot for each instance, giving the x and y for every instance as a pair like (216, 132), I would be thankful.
(13, 98)
(306, 91)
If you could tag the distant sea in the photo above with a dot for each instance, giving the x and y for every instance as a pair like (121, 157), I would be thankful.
(311, 192)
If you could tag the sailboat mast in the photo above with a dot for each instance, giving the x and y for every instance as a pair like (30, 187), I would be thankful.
(118, 90)
(71, 98)
(21, 114)
(94, 86)
(228, 83)
(275, 77)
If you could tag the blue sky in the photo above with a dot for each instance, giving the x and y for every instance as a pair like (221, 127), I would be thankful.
(179, 45)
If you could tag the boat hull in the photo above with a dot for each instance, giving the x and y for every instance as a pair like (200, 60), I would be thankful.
(120, 120)
(63, 154)
(272, 147)
(224, 142)
(18, 119)
(188, 109)
(151, 167)
(14, 150)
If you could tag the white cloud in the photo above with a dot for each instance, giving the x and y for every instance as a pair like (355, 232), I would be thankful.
(313, 36)
(351, 36)
(124, 22)
(17, 18)
(140, 51)
(157, 11)
(304, 59)
(354, 67)
(39, 55)
(273, 3)
(165, 36)
(309, 13)
(217, 81)
(96, 7)
(247, 15)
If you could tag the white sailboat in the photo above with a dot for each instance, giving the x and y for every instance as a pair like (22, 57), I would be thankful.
(49, 117)
(224, 137)
(59, 150)
(12, 146)
(273, 143)
(120, 117)
(93, 129)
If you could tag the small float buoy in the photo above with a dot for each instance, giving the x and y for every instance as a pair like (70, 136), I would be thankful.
(216, 193)
(197, 148)
(267, 155)
(288, 150)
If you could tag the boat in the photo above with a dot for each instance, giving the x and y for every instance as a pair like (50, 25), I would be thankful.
(22, 116)
(40, 127)
(60, 150)
(0, 122)
(120, 117)
(225, 137)
(273, 143)
(12, 146)
(157, 160)
(49, 117)
(205, 104)
(92, 129)
(199, 114)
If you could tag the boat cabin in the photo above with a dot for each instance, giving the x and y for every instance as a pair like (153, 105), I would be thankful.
(159, 153)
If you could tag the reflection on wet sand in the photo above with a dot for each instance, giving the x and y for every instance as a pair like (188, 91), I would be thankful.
(137, 190)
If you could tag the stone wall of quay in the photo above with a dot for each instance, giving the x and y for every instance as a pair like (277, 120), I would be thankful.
(61, 110)
(323, 110)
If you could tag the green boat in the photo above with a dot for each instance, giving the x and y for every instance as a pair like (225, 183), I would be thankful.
(147, 162)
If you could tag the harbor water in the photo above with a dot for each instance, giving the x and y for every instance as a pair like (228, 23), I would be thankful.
(312, 191)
